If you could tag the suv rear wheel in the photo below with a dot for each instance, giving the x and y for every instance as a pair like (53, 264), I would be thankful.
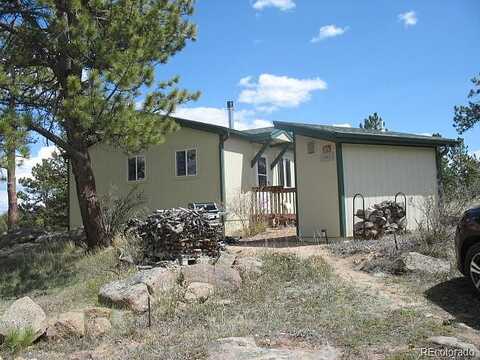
(473, 265)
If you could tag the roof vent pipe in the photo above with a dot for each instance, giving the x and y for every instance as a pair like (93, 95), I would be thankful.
(230, 114)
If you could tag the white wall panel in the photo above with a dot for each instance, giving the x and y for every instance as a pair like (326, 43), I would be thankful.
(379, 172)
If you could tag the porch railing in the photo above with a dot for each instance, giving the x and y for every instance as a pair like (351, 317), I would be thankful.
(275, 203)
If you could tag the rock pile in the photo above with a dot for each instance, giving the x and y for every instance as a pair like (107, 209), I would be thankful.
(133, 293)
(25, 315)
(28, 240)
(171, 234)
(196, 282)
(415, 262)
(388, 217)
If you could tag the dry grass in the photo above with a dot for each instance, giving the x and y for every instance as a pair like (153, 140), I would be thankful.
(59, 276)
(298, 299)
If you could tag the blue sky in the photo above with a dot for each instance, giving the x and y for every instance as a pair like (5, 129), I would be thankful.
(328, 62)
(411, 75)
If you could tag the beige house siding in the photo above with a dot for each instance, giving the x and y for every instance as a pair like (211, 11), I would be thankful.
(379, 172)
(317, 188)
(162, 188)
(240, 177)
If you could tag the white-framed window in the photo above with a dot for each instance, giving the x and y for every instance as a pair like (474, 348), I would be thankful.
(262, 177)
(186, 162)
(284, 172)
(136, 168)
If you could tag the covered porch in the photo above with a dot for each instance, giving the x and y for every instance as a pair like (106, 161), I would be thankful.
(276, 205)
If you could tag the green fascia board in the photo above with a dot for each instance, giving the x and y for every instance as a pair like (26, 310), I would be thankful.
(279, 155)
(254, 137)
(360, 136)
(196, 125)
(259, 154)
(279, 132)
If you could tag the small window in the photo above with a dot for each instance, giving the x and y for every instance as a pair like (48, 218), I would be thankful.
(136, 168)
(311, 147)
(186, 162)
(262, 172)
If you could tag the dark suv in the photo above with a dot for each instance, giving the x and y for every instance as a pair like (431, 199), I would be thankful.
(467, 241)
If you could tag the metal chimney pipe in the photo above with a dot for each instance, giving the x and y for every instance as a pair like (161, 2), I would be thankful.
(230, 114)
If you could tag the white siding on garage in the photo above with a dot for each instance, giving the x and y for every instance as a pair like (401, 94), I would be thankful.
(379, 172)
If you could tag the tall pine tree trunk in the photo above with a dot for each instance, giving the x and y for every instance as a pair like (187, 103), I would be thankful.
(90, 208)
(12, 190)
(12, 220)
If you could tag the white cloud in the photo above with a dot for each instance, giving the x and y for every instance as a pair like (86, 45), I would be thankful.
(476, 153)
(408, 18)
(283, 5)
(24, 170)
(272, 92)
(329, 31)
(425, 134)
(246, 82)
(347, 125)
(244, 119)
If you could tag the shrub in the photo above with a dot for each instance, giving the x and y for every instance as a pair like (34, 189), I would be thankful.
(241, 208)
(131, 248)
(3, 223)
(257, 225)
(19, 339)
(117, 211)
(436, 230)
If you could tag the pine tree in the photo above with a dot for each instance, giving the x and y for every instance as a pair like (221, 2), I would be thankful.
(373, 122)
(84, 64)
(44, 196)
(13, 150)
(460, 171)
(467, 116)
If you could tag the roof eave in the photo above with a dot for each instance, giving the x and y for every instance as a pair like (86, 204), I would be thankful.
(364, 138)
(259, 138)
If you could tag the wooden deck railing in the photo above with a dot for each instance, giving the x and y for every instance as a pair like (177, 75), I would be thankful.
(275, 203)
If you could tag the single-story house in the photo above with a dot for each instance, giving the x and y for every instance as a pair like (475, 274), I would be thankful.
(305, 171)
(333, 164)
(200, 163)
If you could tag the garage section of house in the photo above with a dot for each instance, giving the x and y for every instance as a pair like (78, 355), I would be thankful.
(333, 164)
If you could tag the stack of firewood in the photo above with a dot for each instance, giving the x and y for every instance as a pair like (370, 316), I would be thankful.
(174, 233)
(388, 217)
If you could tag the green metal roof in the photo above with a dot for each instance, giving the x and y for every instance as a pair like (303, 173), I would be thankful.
(363, 136)
(256, 135)
(259, 130)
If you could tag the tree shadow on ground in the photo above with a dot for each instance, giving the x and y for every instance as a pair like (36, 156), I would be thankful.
(37, 269)
(458, 298)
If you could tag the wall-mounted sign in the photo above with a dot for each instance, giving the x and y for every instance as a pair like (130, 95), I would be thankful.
(326, 153)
